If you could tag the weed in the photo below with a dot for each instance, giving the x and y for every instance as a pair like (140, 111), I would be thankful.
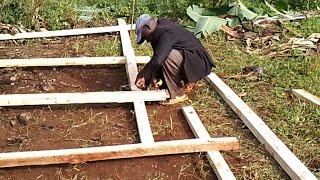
(307, 27)
(157, 176)
(108, 47)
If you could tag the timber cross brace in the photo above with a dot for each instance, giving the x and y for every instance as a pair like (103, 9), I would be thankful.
(204, 143)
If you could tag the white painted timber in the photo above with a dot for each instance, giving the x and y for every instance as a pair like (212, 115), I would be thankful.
(69, 32)
(128, 52)
(74, 61)
(306, 96)
(287, 160)
(219, 165)
(144, 129)
(80, 155)
(81, 98)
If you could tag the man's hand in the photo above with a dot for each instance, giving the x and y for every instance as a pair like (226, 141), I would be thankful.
(141, 83)
(154, 83)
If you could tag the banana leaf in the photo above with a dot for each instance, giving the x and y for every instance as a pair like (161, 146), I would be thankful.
(240, 10)
(87, 13)
(194, 12)
(206, 25)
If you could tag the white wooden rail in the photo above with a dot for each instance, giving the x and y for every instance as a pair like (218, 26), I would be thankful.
(69, 32)
(81, 98)
(218, 164)
(144, 128)
(80, 61)
(306, 96)
(287, 160)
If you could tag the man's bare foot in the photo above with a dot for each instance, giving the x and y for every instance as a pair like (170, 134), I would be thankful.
(177, 99)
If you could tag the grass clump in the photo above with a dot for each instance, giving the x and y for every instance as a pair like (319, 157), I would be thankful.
(295, 122)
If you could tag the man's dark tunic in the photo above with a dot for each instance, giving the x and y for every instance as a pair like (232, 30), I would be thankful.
(168, 35)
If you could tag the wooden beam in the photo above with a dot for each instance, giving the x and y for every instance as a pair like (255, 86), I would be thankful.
(81, 98)
(69, 32)
(128, 52)
(215, 158)
(306, 96)
(74, 61)
(144, 129)
(75, 156)
(287, 160)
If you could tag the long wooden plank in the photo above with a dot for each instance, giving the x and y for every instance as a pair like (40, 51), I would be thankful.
(306, 96)
(219, 165)
(69, 32)
(81, 98)
(74, 61)
(144, 129)
(287, 160)
(128, 52)
(81, 155)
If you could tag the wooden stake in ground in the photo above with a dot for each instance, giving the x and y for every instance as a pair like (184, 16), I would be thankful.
(218, 164)
(75, 156)
(306, 96)
(287, 160)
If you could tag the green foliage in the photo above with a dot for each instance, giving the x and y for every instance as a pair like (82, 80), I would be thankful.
(240, 10)
(206, 25)
(37, 13)
(59, 15)
(295, 4)
(306, 27)
(56, 14)
(13, 11)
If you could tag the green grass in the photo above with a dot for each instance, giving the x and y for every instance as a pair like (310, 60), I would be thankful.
(109, 47)
(307, 27)
(296, 123)
(53, 14)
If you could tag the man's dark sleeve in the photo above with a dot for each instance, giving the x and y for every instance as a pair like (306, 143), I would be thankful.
(160, 54)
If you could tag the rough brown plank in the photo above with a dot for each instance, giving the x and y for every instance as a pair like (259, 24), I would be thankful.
(75, 156)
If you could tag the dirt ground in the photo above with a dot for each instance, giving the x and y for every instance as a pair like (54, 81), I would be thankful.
(74, 126)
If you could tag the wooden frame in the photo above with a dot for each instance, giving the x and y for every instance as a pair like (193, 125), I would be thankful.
(81, 98)
(81, 61)
(287, 160)
(306, 96)
(216, 160)
(80, 155)
(147, 147)
(61, 33)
